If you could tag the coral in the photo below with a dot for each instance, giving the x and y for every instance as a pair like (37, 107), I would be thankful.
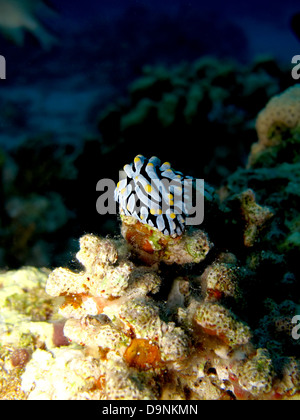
(22, 294)
(71, 374)
(256, 375)
(20, 357)
(216, 320)
(26, 324)
(96, 332)
(126, 383)
(28, 315)
(152, 246)
(290, 382)
(275, 328)
(129, 325)
(62, 375)
(276, 187)
(281, 110)
(101, 279)
(203, 315)
(144, 321)
(254, 216)
(209, 98)
(220, 279)
(114, 312)
(275, 121)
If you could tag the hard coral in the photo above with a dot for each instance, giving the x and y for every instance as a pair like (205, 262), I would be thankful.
(114, 313)
(216, 320)
(102, 278)
(152, 246)
(256, 375)
(290, 383)
(182, 330)
(220, 280)
(281, 114)
(254, 216)
(94, 331)
(63, 374)
(20, 358)
(142, 354)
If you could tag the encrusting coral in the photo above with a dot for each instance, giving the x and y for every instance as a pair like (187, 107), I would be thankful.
(274, 123)
(218, 321)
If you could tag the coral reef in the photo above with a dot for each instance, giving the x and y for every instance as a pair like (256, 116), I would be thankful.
(211, 103)
(206, 314)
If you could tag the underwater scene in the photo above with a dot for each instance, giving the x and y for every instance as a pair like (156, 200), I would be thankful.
(149, 200)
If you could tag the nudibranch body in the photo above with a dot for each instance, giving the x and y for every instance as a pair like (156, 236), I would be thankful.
(154, 194)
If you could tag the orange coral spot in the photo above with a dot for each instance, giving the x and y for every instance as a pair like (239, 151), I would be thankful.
(142, 354)
(73, 299)
(214, 294)
(139, 239)
(139, 235)
(213, 331)
(100, 382)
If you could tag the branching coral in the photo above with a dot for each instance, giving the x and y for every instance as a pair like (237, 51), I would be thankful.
(101, 277)
(129, 313)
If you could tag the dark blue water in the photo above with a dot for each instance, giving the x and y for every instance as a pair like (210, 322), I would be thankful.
(103, 45)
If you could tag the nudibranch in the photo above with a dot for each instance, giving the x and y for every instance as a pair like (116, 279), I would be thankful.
(155, 194)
